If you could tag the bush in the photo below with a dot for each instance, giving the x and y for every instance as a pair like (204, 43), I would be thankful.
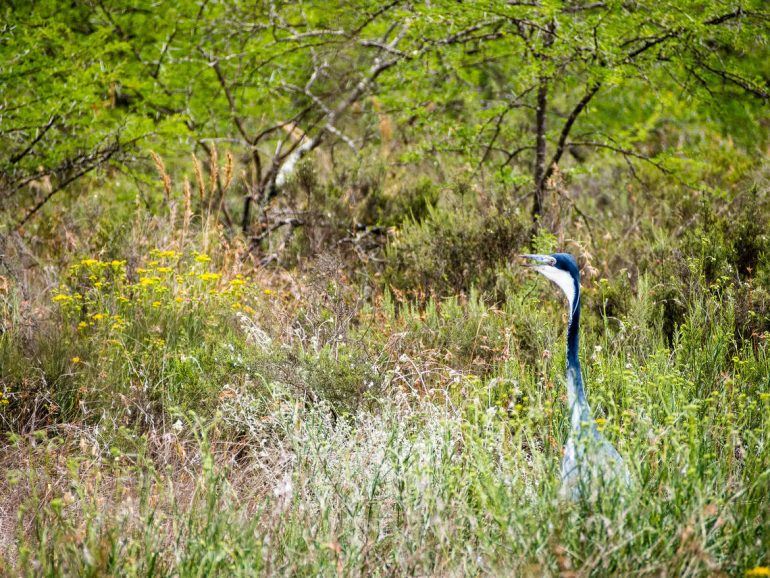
(455, 247)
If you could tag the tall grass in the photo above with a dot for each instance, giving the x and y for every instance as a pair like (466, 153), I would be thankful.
(170, 409)
(453, 472)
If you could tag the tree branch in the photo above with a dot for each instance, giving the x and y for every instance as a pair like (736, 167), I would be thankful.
(560, 145)
(41, 133)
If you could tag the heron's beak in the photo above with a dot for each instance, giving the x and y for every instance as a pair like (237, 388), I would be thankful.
(536, 260)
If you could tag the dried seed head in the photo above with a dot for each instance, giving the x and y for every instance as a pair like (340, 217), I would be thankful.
(164, 176)
(213, 169)
(228, 171)
(199, 177)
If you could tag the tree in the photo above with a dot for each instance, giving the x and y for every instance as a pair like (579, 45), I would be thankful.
(551, 61)
(519, 84)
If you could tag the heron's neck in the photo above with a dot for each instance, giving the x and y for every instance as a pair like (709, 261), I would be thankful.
(575, 391)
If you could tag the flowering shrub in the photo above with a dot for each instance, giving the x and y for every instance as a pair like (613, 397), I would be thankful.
(113, 315)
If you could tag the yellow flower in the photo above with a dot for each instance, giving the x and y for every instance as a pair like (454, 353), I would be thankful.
(202, 258)
(156, 304)
(98, 316)
(82, 325)
(237, 282)
(179, 299)
(61, 297)
(147, 281)
(164, 254)
(75, 360)
(209, 276)
(600, 421)
(268, 292)
(163, 269)
(115, 263)
(89, 262)
(758, 571)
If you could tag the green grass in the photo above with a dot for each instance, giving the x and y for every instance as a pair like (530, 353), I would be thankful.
(392, 407)
(406, 441)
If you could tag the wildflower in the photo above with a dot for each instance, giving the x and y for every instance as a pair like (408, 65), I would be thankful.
(163, 269)
(157, 341)
(164, 254)
(117, 263)
(758, 571)
(156, 304)
(202, 258)
(209, 276)
(98, 316)
(268, 292)
(82, 325)
(147, 281)
(89, 262)
(600, 421)
(237, 282)
(61, 298)
(75, 360)
(123, 299)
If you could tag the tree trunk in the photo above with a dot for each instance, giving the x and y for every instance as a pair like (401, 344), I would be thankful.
(540, 148)
(540, 129)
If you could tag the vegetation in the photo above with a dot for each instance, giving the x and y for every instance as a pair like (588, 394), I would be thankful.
(260, 311)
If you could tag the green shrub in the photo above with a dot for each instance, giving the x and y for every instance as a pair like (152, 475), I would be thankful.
(455, 247)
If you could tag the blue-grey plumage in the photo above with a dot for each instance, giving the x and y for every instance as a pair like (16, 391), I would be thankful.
(589, 459)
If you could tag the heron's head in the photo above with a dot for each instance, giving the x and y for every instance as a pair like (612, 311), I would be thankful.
(562, 269)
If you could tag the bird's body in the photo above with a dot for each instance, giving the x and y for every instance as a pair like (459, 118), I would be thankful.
(589, 459)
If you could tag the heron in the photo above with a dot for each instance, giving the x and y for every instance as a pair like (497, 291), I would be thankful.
(589, 459)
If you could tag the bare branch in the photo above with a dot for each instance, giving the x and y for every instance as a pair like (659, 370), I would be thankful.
(560, 146)
(41, 133)
(93, 161)
(230, 100)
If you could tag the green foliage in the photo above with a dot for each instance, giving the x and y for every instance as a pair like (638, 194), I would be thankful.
(454, 248)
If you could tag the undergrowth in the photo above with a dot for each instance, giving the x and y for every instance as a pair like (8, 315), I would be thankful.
(169, 408)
